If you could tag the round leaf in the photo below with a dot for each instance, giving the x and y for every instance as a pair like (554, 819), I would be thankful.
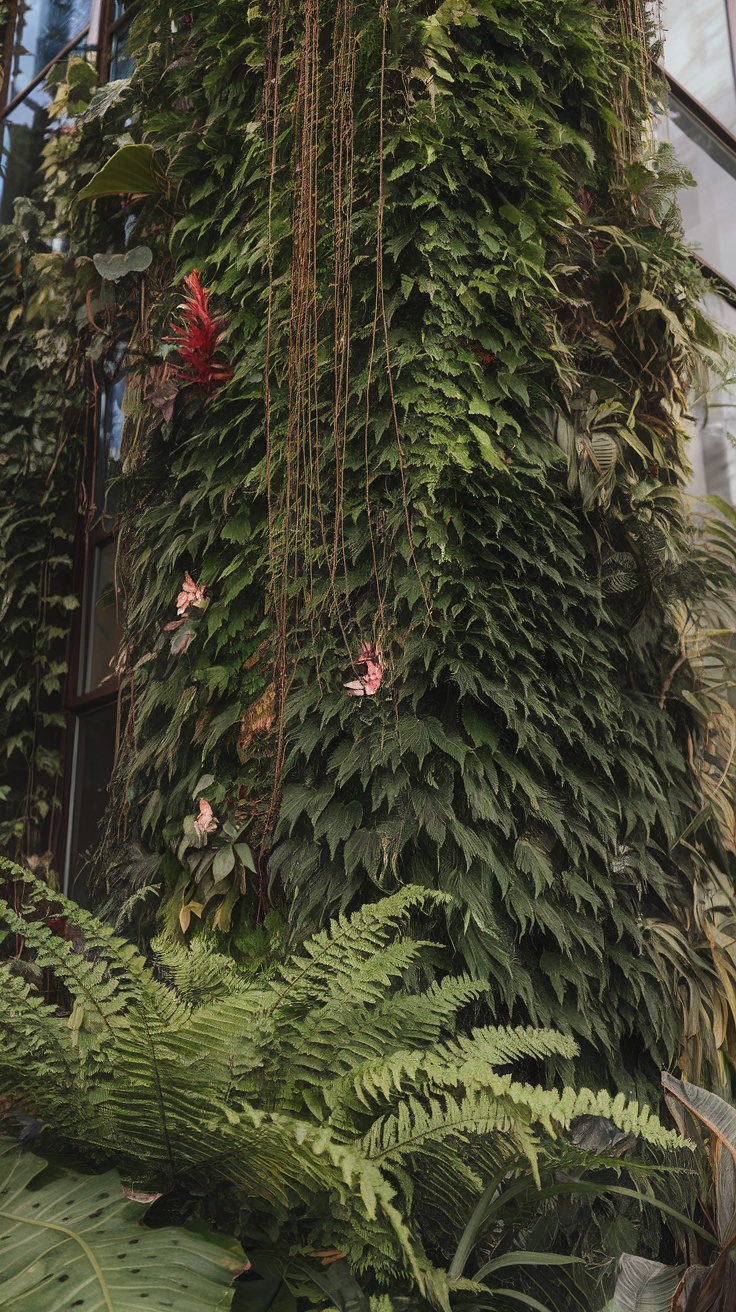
(113, 267)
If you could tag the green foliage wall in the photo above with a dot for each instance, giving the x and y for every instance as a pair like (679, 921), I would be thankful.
(42, 419)
(46, 397)
(461, 326)
(428, 237)
(37, 508)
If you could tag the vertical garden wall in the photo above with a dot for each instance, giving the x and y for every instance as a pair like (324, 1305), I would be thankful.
(417, 428)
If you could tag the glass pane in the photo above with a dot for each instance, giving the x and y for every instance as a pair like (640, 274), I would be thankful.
(709, 208)
(94, 757)
(42, 28)
(103, 624)
(713, 454)
(697, 51)
(21, 141)
(20, 153)
(121, 63)
(110, 435)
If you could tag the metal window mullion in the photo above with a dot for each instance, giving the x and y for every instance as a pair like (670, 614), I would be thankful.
(40, 77)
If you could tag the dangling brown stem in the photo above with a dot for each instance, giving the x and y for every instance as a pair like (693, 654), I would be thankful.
(343, 134)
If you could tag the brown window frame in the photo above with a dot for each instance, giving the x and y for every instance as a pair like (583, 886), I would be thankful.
(94, 530)
(98, 28)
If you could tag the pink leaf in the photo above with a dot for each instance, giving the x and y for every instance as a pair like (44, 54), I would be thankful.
(182, 639)
(192, 594)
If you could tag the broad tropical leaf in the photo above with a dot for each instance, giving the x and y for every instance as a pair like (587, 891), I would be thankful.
(718, 1118)
(69, 1240)
(130, 171)
(644, 1286)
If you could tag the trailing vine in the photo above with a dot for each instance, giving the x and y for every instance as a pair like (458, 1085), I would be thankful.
(43, 413)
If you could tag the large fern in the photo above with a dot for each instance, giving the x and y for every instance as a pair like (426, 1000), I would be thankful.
(318, 1099)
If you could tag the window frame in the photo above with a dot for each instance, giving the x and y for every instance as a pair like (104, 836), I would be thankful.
(93, 532)
(731, 20)
(96, 29)
(726, 138)
(720, 284)
(94, 528)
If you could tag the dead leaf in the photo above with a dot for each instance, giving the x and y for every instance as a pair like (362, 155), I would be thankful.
(257, 719)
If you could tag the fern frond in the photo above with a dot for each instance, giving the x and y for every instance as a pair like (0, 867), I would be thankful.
(197, 971)
(300, 1094)
(329, 958)
(35, 1050)
(424, 1018)
(502, 1045)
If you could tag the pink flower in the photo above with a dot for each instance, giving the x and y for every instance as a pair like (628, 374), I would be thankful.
(192, 594)
(366, 685)
(205, 822)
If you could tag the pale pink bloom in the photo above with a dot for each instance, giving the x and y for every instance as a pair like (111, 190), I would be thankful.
(205, 822)
(192, 594)
(366, 685)
(136, 1197)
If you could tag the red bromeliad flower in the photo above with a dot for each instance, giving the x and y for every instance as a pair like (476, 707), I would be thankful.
(485, 357)
(58, 925)
(197, 339)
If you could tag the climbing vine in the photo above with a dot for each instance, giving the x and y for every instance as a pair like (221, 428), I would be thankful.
(43, 414)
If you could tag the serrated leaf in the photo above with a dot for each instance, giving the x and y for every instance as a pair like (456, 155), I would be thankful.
(104, 98)
(487, 449)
